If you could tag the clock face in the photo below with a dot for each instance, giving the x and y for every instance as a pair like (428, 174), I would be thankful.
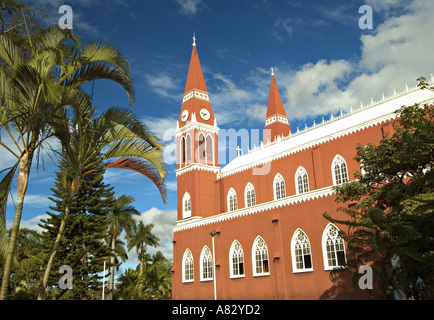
(184, 116)
(204, 113)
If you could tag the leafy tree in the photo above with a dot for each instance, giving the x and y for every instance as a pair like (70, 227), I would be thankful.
(391, 208)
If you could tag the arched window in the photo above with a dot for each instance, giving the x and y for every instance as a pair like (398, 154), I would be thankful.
(260, 258)
(279, 187)
(201, 149)
(182, 148)
(249, 195)
(209, 150)
(187, 266)
(339, 170)
(301, 254)
(186, 206)
(205, 264)
(333, 248)
(188, 148)
(236, 260)
(232, 200)
(301, 181)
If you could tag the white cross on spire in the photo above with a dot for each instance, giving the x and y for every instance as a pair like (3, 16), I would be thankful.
(194, 39)
(272, 71)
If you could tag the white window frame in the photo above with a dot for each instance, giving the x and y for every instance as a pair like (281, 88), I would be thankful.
(188, 256)
(279, 179)
(260, 245)
(300, 235)
(301, 173)
(185, 212)
(206, 257)
(236, 249)
(339, 161)
(232, 206)
(332, 238)
(249, 194)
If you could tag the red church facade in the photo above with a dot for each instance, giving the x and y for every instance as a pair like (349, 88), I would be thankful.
(254, 229)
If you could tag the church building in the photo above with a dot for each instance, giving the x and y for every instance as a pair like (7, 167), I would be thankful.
(254, 229)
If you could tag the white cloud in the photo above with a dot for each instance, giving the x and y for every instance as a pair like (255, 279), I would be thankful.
(190, 7)
(32, 200)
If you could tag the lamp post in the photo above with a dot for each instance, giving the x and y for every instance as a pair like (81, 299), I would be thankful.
(213, 233)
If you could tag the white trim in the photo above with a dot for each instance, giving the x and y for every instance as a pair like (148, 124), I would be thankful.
(194, 124)
(194, 93)
(196, 222)
(336, 127)
(199, 167)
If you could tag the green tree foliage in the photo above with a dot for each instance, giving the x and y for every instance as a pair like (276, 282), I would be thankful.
(82, 247)
(390, 205)
(154, 283)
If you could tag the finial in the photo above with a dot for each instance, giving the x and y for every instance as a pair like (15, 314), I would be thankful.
(272, 71)
(194, 39)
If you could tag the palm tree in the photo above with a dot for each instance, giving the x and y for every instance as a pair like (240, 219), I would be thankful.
(117, 134)
(120, 219)
(141, 238)
(30, 94)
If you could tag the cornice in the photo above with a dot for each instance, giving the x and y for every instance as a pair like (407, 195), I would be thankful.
(199, 221)
(198, 167)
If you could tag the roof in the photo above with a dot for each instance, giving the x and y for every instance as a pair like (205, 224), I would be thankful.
(353, 121)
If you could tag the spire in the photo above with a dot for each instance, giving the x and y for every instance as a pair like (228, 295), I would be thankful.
(195, 79)
(276, 119)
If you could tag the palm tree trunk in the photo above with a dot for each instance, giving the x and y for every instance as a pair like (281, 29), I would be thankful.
(111, 282)
(23, 179)
(74, 189)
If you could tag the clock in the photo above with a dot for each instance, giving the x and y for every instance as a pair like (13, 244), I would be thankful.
(204, 113)
(184, 116)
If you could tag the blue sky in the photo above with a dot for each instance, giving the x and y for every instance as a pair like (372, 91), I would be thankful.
(324, 63)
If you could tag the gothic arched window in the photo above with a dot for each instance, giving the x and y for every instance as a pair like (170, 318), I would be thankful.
(279, 187)
(187, 267)
(333, 248)
(236, 260)
(339, 170)
(260, 258)
(301, 253)
(249, 195)
(301, 180)
(206, 264)
(232, 200)
(186, 206)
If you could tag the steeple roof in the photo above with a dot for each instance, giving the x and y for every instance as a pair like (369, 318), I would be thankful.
(275, 105)
(276, 122)
(195, 79)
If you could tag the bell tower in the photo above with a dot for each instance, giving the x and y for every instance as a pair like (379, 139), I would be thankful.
(197, 147)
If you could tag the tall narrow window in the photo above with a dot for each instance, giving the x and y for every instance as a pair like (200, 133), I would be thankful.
(188, 148)
(301, 254)
(187, 266)
(205, 264)
(260, 258)
(333, 248)
(339, 170)
(182, 151)
(279, 187)
(186, 206)
(201, 150)
(249, 195)
(232, 200)
(302, 182)
(236, 260)
(209, 150)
